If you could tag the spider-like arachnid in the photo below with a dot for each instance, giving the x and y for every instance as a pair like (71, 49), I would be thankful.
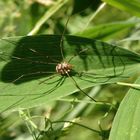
(45, 69)
(53, 66)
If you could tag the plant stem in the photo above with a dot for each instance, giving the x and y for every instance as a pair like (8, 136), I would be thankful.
(94, 15)
(129, 84)
(47, 15)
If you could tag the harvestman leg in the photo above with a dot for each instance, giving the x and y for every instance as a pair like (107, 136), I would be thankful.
(24, 75)
(115, 74)
(60, 82)
(39, 62)
(81, 89)
(73, 80)
(43, 55)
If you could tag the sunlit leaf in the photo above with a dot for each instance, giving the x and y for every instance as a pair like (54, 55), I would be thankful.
(28, 75)
(126, 124)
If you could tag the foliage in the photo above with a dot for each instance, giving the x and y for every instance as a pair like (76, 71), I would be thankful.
(38, 103)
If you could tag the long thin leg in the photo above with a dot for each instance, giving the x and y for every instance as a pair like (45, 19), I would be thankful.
(43, 55)
(113, 62)
(84, 50)
(29, 60)
(30, 74)
(62, 38)
(25, 75)
(88, 76)
(75, 83)
(44, 81)
(61, 81)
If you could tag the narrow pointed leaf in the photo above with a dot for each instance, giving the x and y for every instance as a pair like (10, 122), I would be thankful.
(132, 7)
(126, 125)
(105, 31)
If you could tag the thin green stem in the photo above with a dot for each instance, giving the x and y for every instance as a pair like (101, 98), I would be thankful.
(30, 124)
(94, 15)
(96, 131)
(26, 118)
(129, 84)
(47, 15)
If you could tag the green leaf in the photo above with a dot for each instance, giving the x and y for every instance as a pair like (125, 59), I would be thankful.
(106, 31)
(132, 7)
(28, 76)
(126, 125)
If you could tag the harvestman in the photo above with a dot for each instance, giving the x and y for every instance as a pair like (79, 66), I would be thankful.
(62, 68)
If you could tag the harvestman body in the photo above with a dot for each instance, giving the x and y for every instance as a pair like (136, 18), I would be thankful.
(63, 68)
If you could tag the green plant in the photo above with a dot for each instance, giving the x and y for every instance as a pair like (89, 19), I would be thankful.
(101, 70)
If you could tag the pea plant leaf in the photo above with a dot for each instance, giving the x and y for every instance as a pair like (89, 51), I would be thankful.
(126, 124)
(28, 68)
